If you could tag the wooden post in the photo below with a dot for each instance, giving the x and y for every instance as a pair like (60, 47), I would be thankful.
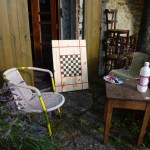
(92, 35)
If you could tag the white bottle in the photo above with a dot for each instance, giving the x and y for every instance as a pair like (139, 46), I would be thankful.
(142, 84)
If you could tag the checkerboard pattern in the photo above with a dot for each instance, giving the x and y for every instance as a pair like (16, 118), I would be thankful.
(70, 65)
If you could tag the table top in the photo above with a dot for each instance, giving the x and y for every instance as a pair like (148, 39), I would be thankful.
(126, 91)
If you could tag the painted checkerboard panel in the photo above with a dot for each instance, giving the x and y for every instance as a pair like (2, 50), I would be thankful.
(70, 65)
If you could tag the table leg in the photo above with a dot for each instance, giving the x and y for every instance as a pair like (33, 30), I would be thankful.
(108, 120)
(144, 124)
(105, 110)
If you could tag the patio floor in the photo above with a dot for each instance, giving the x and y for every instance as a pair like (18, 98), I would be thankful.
(81, 126)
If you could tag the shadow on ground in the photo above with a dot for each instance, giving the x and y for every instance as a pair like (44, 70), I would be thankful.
(82, 126)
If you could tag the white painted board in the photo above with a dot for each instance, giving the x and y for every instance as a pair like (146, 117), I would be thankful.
(70, 65)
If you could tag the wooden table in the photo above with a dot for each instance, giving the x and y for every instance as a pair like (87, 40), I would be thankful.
(126, 96)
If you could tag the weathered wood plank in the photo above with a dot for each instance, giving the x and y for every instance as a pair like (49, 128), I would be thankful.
(129, 104)
(70, 65)
(14, 34)
(92, 35)
(23, 24)
(15, 44)
(130, 91)
(24, 34)
(56, 59)
(1, 37)
(6, 49)
(146, 95)
(114, 91)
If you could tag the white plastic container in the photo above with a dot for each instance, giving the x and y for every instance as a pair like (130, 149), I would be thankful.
(142, 84)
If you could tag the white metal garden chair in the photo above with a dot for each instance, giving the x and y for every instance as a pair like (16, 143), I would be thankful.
(35, 101)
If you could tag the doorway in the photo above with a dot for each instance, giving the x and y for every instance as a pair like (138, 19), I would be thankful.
(44, 27)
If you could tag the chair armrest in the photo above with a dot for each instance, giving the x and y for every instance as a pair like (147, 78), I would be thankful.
(28, 87)
(36, 69)
(42, 70)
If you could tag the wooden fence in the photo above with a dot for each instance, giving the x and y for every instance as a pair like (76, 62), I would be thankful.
(15, 47)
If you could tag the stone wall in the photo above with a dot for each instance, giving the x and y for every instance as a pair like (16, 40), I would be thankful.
(128, 17)
(68, 19)
(80, 19)
(129, 13)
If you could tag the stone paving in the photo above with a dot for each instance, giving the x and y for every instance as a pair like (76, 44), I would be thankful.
(88, 106)
(84, 111)
(81, 126)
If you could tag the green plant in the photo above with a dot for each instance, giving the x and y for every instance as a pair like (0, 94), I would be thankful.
(101, 128)
(119, 144)
(146, 140)
(82, 121)
(17, 131)
(134, 129)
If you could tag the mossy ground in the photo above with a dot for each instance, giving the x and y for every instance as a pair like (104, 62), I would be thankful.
(29, 131)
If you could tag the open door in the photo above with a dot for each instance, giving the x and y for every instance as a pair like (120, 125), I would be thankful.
(44, 27)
